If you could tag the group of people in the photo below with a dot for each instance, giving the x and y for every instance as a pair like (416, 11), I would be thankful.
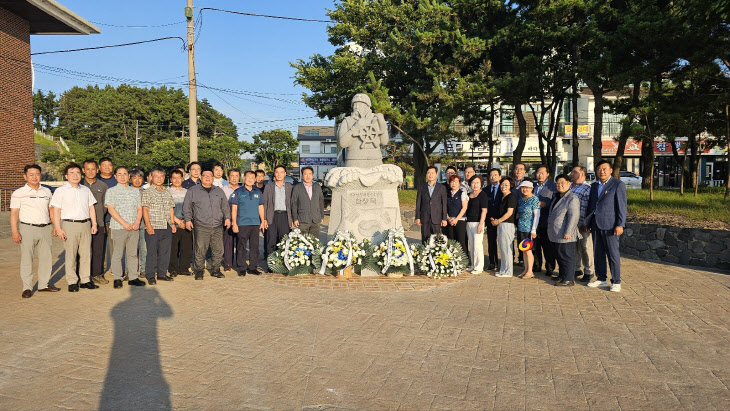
(560, 224)
(144, 228)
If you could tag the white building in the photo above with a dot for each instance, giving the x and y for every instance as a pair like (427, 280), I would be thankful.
(317, 149)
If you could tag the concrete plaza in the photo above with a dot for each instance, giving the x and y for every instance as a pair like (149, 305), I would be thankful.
(316, 343)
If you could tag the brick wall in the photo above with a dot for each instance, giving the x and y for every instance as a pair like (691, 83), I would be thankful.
(16, 100)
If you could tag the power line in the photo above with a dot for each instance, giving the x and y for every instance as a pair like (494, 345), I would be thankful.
(110, 46)
(266, 15)
(138, 26)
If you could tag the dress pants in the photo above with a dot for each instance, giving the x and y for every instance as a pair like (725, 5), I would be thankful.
(310, 228)
(476, 246)
(458, 233)
(248, 235)
(491, 242)
(181, 251)
(142, 246)
(158, 252)
(605, 244)
(127, 242)
(584, 253)
(35, 238)
(78, 243)
(565, 253)
(208, 237)
(276, 232)
(542, 246)
(428, 228)
(98, 248)
(505, 240)
(230, 240)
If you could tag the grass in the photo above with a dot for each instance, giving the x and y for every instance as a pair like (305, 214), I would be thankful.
(407, 199)
(43, 141)
(709, 205)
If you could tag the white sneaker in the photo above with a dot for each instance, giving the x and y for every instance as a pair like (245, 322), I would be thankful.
(503, 275)
(476, 272)
(598, 283)
(616, 288)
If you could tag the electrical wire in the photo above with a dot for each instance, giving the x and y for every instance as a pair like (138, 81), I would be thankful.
(266, 15)
(139, 26)
(110, 46)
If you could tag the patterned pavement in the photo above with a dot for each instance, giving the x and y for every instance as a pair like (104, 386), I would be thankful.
(270, 342)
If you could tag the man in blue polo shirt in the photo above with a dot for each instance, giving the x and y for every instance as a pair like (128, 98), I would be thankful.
(247, 214)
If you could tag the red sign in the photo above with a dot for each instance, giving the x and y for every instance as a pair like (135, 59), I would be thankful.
(610, 147)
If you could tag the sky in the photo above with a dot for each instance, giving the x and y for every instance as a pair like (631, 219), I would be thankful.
(244, 54)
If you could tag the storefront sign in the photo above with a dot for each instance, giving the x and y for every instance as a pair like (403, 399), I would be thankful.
(583, 130)
(633, 147)
(318, 161)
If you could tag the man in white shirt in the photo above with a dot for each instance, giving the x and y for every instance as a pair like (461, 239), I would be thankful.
(74, 221)
(30, 223)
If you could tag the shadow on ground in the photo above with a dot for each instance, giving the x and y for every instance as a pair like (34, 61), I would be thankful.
(134, 379)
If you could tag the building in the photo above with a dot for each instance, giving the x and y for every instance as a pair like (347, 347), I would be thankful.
(505, 134)
(18, 20)
(317, 149)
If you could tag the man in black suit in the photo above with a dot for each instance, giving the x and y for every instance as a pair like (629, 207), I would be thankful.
(307, 204)
(495, 198)
(542, 246)
(431, 205)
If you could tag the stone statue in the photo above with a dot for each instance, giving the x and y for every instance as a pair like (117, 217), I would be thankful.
(362, 134)
(365, 191)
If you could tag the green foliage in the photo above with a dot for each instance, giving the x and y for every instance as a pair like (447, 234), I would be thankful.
(44, 110)
(103, 121)
(273, 148)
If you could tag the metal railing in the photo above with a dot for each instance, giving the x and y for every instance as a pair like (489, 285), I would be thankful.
(5, 194)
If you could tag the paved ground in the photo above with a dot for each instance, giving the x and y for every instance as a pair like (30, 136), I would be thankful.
(272, 343)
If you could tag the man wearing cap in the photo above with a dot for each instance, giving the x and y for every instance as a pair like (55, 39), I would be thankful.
(74, 222)
(30, 224)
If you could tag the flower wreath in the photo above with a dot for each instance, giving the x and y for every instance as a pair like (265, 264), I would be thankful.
(341, 252)
(393, 254)
(297, 254)
(442, 257)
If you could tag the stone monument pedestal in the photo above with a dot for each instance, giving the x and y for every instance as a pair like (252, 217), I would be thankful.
(365, 200)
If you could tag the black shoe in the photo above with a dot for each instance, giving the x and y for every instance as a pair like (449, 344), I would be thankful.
(491, 267)
(136, 281)
(563, 283)
(165, 278)
(586, 278)
(578, 274)
(173, 274)
(72, 288)
(90, 285)
(552, 273)
(242, 273)
(217, 274)
(254, 272)
(118, 283)
(186, 272)
(151, 281)
(198, 276)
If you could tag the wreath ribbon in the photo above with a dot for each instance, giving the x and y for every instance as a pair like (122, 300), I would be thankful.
(397, 234)
(296, 233)
(348, 238)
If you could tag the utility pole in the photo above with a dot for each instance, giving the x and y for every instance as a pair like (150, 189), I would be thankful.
(136, 138)
(192, 94)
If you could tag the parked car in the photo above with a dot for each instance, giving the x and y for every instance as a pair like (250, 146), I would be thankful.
(631, 179)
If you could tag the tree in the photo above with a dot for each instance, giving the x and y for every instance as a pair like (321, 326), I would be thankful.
(273, 148)
(170, 153)
(414, 59)
(44, 110)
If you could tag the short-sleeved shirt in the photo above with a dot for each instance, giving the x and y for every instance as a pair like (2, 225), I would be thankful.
(98, 190)
(125, 200)
(190, 183)
(248, 205)
(159, 203)
(74, 202)
(110, 182)
(33, 204)
(474, 209)
(525, 211)
(508, 202)
(178, 197)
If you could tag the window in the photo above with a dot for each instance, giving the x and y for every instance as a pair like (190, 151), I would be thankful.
(333, 149)
(507, 114)
(311, 133)
(305, 149)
